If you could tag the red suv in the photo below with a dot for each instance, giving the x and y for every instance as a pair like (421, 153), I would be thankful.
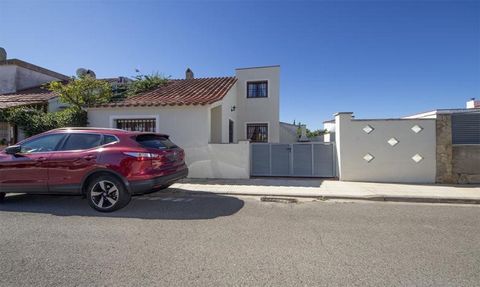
(108, 166)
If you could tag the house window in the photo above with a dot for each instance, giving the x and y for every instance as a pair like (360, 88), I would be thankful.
(257, 132)
(137, 125)
(257, 89)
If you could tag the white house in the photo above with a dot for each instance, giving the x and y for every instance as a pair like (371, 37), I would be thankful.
(211, 118)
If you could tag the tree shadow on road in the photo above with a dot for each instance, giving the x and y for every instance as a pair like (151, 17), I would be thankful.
(174, 204)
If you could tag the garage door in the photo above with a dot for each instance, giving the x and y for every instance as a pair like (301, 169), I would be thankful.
(295, 160)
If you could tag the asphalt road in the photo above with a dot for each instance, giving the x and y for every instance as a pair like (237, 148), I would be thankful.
(179, 239)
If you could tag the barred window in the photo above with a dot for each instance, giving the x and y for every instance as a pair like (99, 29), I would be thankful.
(257, 89)
(257, 132)
(137, 125)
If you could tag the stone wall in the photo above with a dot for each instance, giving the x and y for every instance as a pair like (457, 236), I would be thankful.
(444, 149)
(455, 163)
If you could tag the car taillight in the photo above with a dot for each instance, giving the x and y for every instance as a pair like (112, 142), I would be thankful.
(143, 155)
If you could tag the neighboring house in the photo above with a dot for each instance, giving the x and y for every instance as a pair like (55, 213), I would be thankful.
(329, 126)
(21, 85)
(199, 113)
(288, 133)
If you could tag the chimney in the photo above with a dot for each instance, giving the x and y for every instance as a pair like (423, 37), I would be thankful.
(473, 104)
(189, 74)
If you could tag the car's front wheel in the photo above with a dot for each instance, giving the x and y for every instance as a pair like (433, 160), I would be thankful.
(107, 193)
(2, 196)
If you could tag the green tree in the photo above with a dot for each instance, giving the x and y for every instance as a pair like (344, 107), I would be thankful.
(82, 92)
(145, 83)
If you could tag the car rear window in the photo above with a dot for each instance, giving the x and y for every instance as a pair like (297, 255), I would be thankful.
(155, 141)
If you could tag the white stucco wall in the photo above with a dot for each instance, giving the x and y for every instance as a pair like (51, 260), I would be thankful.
(229, 101)
(390, 163)
(259, 110)
(189, 127)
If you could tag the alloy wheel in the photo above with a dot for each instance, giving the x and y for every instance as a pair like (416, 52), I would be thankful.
(104, 194)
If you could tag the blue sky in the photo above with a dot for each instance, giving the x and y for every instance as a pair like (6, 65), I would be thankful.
(374, 58)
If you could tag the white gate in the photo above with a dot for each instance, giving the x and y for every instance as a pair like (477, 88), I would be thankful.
(296, 160)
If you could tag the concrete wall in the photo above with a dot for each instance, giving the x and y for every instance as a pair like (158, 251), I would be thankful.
(219, 161)
(259, 110)
(389, 163)
(189, 127)
(14, 78)
(216, 125)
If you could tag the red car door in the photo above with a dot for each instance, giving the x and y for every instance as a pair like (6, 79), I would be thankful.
(74, 160)
(27, 171)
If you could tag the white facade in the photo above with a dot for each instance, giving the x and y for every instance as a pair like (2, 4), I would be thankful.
(17, 75)
(259, 110)
(386, 150)
(204, 130)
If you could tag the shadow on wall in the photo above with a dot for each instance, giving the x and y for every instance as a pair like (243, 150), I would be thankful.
(175, 204)
(261, 181)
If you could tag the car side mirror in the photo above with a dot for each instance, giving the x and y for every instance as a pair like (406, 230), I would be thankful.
(14, 149)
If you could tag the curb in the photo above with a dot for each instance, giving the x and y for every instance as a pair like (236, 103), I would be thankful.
(368, 198)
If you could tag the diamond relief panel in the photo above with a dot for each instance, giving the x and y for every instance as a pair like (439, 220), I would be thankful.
(368, 129)
(368, 157)
(416, 129)
(392, 141)
(417, 158)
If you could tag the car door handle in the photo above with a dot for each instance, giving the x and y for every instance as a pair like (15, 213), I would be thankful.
(90, 157)
(41, 159)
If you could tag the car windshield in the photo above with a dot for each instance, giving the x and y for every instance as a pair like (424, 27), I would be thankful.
(155, 141)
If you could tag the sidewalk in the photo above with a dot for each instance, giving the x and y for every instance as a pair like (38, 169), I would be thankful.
(333, 189)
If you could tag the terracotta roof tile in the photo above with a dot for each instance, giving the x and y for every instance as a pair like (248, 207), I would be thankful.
(35, 95)
(200, 91)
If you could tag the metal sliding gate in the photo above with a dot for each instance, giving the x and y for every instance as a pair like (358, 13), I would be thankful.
(296, 160)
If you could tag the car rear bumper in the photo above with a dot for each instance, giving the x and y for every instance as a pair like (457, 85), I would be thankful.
(147, 185)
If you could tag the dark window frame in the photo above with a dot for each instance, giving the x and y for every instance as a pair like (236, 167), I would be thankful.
(251, 134)
(249, 96)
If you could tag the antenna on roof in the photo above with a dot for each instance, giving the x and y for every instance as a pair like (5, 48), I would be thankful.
(3, 55)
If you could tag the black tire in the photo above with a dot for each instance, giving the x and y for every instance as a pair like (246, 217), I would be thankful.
(106, 193)
(2, 196)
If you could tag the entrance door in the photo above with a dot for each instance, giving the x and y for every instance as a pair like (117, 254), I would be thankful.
(230, 131)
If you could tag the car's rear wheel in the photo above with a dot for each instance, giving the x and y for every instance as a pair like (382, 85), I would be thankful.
(107, 193)
(2, 196)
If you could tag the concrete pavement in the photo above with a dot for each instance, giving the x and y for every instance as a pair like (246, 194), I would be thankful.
(333, 189)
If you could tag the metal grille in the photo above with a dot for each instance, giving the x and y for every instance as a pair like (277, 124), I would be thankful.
(257, 89)
(257, 132)
(138, 125)
(466, 128)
